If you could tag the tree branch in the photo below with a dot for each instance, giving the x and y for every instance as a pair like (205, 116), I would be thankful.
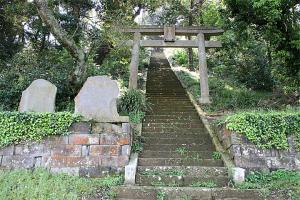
(59, 33)
(64, 39)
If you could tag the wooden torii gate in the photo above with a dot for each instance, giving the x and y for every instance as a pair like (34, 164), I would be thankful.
(170, 33)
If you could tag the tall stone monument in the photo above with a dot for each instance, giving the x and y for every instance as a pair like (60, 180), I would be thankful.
(97, 100)
(38, 97)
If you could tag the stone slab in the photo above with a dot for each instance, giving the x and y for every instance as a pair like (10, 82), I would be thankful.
(38, 97)
(97, 99)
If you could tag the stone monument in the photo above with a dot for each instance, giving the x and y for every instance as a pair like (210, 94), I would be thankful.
(97, 100)
(38, 97)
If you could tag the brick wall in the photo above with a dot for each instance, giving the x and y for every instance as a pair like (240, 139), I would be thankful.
(247, 155)
(89, 150)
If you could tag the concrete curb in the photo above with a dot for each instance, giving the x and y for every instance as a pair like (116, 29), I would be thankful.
(130, 169)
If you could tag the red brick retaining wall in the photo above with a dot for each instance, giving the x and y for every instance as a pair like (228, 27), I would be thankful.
(89, 150)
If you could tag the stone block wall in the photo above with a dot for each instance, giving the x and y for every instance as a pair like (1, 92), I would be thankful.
(247, 155)
(89, 150)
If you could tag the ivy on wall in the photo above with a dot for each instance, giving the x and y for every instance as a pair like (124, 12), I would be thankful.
(16, 127)
(266, 129)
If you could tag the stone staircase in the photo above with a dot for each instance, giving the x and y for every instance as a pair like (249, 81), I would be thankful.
(179, 159)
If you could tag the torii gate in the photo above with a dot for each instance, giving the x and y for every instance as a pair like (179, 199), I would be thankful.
(170, 33)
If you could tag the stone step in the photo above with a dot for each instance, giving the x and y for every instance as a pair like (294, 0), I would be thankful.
(174, 124)
(195, 193)
(170, 110)
(168, 94)
(163, 80)
(172, 129)
(175, 135)
(167, 105)
(180, 147)
(179, 116)
(175, 154)
(172, 118)
(174, 96)
(172, 106)
(159, 97)
(181, 181)
(179, 162)
(159, 140)
(167, 102)
(184, 171)
(158, 83)
(165, 90)
(186, 120)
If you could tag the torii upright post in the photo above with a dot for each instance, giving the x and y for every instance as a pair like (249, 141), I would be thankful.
(204, 98)
(134, 64)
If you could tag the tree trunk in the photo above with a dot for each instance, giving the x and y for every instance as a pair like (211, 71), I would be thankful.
(79, 74)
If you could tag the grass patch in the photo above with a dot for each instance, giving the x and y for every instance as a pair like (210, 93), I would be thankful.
(40, 184)
(266, 129)
(181, 150)
(216, 155)
(281, 183)
(205, 184)
(161, 195)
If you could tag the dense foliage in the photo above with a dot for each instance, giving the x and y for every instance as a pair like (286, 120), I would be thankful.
(134, 104)
(266, 129)
(261, 43)
(40, 184)
(16, 127)
(280, 184)
(28, 65)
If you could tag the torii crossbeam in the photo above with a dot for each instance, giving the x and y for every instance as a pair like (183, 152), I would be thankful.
(170, 33)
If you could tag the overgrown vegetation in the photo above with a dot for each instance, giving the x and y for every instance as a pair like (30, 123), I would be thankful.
(181, 58)
(216, 155)
(134, 104)
(161, 195)
(205, 184)
(225, 95)
(282, 184)
(16, 127)
(137, 144)
(40, 184)
(266, 129)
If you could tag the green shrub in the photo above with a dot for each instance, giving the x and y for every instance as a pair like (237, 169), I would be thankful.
(285, 184)
(181, 58)
(40, 184)
(266, 129)
(16, 127)
(136, 116)
(133, 101)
